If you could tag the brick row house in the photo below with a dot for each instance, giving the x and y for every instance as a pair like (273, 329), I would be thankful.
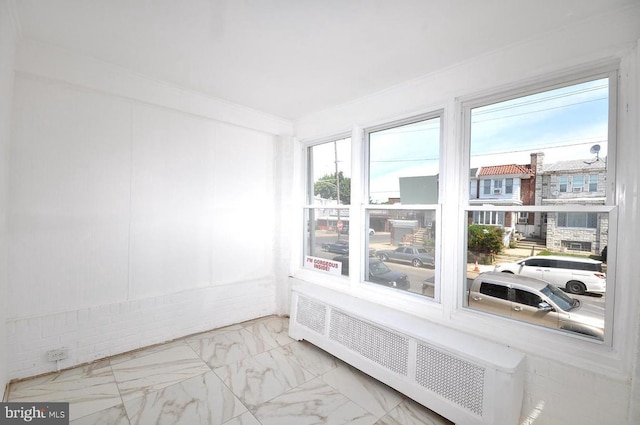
(557, 184)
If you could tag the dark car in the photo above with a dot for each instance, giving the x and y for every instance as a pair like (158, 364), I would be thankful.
(342, 247)
(339, 246)
(415, 255)
(379, 272)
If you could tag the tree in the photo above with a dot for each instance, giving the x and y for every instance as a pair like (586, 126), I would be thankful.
(485, 239)
(325, 187)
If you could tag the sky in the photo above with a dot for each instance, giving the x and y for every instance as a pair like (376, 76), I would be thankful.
(564, 123)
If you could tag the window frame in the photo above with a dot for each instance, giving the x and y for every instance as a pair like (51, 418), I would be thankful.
(436, 208)
(508, 185)
(478, 319)
(592, 181)
(570, 219)
(486, 186)
(453, 210)
(307, 189)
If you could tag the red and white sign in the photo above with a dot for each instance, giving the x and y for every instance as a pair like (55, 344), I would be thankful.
(323, 265)
(339, 225)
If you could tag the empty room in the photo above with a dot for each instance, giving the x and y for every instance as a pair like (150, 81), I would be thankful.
(331, 212)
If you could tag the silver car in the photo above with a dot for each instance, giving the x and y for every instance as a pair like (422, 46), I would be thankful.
(531, 300)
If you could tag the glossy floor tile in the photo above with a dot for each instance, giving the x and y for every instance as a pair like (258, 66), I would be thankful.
(251, 373)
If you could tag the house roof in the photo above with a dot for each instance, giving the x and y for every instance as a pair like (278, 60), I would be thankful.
(497, 170)
(577, 165)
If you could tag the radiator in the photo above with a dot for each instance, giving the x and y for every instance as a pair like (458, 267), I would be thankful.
(466, 379)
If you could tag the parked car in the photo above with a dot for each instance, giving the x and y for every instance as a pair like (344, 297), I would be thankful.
(531, 300)
(417, 256)
(345, 231)
(576, 275)
(342, 247)
(379, 272)
(338, 247)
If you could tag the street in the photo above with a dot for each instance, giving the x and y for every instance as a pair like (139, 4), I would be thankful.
(592, 305)
(415, 275)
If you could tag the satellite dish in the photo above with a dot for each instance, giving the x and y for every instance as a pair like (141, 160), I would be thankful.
(595, 149)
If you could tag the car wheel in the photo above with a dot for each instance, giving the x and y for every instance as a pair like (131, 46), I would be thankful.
(416, 262)
(576, 287)
(384, 257)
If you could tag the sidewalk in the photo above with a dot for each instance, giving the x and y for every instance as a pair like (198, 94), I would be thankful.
(472, 272)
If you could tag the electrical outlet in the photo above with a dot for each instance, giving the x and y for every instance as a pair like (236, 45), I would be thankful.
(58, 354)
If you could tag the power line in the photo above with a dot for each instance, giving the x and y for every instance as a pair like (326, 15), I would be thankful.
(551, 145)
(405, 160)
(539, 110)
(498, 107)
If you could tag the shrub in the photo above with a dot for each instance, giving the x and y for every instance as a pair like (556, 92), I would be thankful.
(485, 239)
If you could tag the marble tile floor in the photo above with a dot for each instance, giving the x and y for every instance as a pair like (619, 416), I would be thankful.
(246, 374)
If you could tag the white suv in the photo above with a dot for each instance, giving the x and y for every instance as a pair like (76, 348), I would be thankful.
(576, 275)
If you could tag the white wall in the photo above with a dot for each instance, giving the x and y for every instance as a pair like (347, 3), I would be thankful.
(600, 385)
(8, 39)
(138, 212)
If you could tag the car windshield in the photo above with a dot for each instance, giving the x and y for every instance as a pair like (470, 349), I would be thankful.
(561, 299)
(422, 250)
(377, 268)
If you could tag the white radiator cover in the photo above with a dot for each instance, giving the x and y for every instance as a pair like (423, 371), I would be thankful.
(466, 379)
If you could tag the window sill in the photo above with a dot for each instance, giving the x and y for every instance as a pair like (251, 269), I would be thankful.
(554, 345)
(414, 304)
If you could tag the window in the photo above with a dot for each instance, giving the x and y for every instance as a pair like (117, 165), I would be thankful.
(523, 217)
(593, 183)
(508, 186)
(488, 217)
(538, 262)
(563, 182)
(553, 132)
(493, 290)
(486, 187)
(578, 219)
(403, 171)
(577, 183)
(577, 246)
(527, 298)
(327, 208)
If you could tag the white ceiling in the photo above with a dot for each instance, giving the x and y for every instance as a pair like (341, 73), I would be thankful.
(293, 57)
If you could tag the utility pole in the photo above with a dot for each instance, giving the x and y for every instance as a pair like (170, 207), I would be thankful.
(335, 155)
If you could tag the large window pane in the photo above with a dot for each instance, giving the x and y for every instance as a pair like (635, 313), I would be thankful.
(404, 164)
(538, 189)
(327, 214)
(330, 173)
(404, 170)
(407, 247)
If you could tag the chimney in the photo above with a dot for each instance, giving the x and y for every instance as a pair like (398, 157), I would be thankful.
(537, 159)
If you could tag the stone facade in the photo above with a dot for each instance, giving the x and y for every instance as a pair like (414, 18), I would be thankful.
(574, 182)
